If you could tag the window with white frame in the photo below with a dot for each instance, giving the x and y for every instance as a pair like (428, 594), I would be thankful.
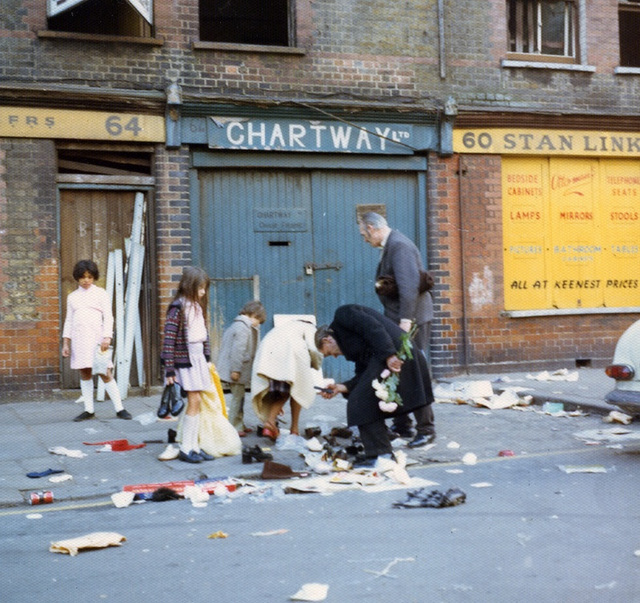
(546, 28)
(247, 22)
(629, 31)
(107, 17)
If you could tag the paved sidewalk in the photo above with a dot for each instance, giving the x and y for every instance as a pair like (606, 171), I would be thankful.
(28, 429)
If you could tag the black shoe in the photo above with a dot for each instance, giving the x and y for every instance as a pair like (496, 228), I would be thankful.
(370, 462)
(422, 440)
(398, 432)
(124, 414)
(249, 454)
(85, 416)
(205, 456)
(192, 457)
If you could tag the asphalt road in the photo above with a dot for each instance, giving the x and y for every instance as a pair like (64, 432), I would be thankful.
(528, 531)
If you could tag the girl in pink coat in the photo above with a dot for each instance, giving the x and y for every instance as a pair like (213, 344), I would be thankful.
(87, 326)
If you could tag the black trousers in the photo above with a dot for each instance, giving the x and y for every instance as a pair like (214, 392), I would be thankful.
(375, 439)
(425, 422)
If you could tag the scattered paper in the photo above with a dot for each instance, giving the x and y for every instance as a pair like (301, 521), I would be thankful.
(63, 477)
(218, 534)
(559, 375)
(270, 533)
(385, 571)
(469, 459)
(618, 417)
(61, 450)
(582, 468)
(94, 540)
(122, 499)
(311, 592)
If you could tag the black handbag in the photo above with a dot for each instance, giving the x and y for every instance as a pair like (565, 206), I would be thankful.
(387, 286)
(171, 402)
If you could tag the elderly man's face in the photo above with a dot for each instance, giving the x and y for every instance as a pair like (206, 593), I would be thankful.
(370, 234)
(330, 347)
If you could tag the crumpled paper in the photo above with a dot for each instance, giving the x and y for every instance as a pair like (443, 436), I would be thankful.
(311, 592)
(94, 540)
(76, 454)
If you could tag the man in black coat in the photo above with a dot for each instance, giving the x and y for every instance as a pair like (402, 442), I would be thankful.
(401, 260)
(371, 340)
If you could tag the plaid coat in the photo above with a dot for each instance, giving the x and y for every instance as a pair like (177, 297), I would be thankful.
(175, 348)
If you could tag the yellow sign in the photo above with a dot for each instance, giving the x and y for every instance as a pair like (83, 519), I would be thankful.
(505, 141)
(20, 122)
(571, 233)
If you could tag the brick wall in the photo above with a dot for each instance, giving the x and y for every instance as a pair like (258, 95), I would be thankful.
(29, 300)
(465, 250)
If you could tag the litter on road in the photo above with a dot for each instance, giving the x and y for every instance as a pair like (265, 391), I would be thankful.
(94, 540)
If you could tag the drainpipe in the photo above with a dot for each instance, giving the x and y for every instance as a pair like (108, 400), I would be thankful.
(441, 58)
(463, 276)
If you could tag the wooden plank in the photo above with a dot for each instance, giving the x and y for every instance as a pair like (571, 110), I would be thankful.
(104, 179)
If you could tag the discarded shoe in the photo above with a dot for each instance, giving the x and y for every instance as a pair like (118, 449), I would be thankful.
(271, 432)
(35, 474)
(192, 457)
(249, 454)
(271, 470)
(205, 456)
(124, 414)
(85, 416)
(434, 498)
(421, 440)
(170, 453)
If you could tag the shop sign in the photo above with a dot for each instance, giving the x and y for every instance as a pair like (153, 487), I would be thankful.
(571, 233)
(284, 219)
(504, 141)
(309, 135)
(20, 122)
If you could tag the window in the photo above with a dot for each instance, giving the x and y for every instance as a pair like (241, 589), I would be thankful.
(107, 17)
(542, 27)
(247, 22)
(629, 26)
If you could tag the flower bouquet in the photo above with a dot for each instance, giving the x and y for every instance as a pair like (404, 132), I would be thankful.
(386, 386)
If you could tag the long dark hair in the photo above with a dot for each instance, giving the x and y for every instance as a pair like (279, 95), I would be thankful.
(192, 280)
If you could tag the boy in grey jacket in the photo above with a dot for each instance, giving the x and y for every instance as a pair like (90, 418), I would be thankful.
(239, 343)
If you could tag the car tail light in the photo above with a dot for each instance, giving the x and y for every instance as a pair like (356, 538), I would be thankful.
(620, 372)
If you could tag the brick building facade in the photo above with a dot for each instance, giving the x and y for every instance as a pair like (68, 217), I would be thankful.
(370, 65)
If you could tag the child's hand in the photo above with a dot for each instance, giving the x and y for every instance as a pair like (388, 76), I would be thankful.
(235, 376)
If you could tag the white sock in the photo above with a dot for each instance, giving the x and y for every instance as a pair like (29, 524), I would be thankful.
(114, 393)
(86, 387)
(190, 434)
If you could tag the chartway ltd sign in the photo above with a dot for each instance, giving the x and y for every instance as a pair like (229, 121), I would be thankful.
(308, 135)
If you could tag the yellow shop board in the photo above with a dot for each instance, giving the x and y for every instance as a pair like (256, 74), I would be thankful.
(571, 232)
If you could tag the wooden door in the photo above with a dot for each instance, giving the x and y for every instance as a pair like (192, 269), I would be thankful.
(92, 223)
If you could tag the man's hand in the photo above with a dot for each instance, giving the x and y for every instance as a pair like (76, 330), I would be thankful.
(333, 389)
(405, 324)
(394, 364)
(235, 376)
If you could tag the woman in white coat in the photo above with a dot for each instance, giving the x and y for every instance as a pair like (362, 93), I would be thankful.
(287, 366)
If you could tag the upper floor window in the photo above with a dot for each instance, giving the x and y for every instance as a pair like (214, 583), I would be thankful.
(629, 28)
(107, 17)
(247, 22)
(542, 27)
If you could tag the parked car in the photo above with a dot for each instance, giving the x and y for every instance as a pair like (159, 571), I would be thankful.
(626, 371)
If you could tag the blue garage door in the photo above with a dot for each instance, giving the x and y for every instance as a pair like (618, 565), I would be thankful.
(290, 238)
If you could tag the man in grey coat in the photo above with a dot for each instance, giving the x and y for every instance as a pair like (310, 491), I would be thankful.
(401, 260)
